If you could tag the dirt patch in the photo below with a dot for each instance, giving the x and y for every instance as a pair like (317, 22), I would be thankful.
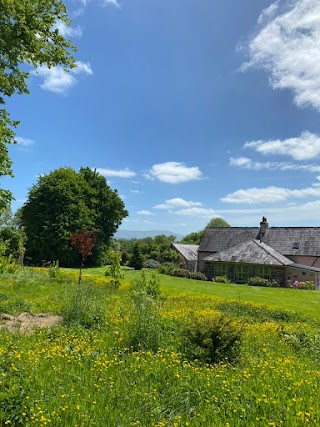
(26, 322)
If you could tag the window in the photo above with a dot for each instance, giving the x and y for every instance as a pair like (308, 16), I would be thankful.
(241, 273)
(295, 245)
(263, 271)
(220, 269)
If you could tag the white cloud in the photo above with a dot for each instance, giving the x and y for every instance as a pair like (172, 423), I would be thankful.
(144, 212)
(270, 194)
(57, 80)
(174, 172)
(122, 173)
(288, 47)
(67, 31)
(111, 3)
(268, 13)
(23, 142)
(177, 203)
(83, 4)
(197, 212)
(246, 163)
(305, 147)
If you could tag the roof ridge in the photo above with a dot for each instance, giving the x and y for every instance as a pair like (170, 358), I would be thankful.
(269, 253)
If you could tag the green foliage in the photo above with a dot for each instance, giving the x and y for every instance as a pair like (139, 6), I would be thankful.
(136, 260)
(217, 222)
(181, 272)
(151, 263)
(167, 268)
(54, 269)
(63, 202)
(170, 255)
(85, 308)
(114, 269)
(308, 284)
(145, 328)
(196, 275)
(8, 265)
(221, 279)
(260, 281)
(28, 36)
(193, 238)
(171, 269)
(150, 247)
(11, 236)
(211, 338)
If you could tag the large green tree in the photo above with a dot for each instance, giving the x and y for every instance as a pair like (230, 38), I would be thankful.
(28, 39)
(63, 202)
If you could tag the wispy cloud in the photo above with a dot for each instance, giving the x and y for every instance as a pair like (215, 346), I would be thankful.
(270, 194)
(177, 203)
(84, 3)
(268, 13)
(246, 163)
(197, 212)
(23, 143)
(145, 213)
(67, 31)
(120, 173)
(288, 48)
(305, 147)
(114, 3)
(56, 80)
(174, 172)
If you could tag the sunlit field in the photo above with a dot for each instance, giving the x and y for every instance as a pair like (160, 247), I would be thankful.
(121, 356)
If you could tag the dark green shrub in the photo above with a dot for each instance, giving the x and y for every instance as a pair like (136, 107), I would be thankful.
(221, 279)
(181, 272)
(197, 276)
(136, 260)
(211, 338)
(167, 268)
(151, 263)
(260, 281)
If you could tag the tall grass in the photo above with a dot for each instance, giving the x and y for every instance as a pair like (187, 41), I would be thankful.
(88, 375)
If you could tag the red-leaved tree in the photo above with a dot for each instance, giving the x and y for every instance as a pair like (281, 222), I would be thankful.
(83, 242)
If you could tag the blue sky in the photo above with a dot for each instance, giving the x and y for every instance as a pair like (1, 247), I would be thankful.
(190, 109)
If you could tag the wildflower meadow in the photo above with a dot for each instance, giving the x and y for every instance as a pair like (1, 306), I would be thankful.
(145, 354)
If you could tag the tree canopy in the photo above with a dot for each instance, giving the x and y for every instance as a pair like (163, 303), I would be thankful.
(195, 237)
(28, 38)
(217, 222)
(66, 201)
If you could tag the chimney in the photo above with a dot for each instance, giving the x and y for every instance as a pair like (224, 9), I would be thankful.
(263, 227)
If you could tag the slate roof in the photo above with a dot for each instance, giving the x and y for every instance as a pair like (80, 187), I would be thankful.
(282, 239)
(189, 252)
(251, 252)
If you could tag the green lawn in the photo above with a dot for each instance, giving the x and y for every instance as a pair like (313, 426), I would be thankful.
(306, 303)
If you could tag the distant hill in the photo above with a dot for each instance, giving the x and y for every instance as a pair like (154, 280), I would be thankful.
(137, 234)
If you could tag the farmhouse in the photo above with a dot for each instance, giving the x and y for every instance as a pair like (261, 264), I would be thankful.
(281, 253)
